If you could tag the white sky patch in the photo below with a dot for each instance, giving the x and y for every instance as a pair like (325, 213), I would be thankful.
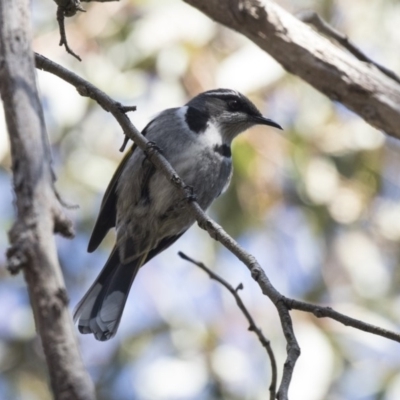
(248, 69)
(62, 98)
(231, 364)
(172, 378)
(172, 23)
(322, 180)
(362, 259)
(387, 220)
(313, 373)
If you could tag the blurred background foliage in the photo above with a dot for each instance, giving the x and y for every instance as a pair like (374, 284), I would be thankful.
(318, 205)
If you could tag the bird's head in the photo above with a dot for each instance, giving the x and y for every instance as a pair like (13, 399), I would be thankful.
(232, 112)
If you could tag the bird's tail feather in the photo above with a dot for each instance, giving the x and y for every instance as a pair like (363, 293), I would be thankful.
(100, 310)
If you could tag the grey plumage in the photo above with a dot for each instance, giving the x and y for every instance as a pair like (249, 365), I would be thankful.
(148, 213)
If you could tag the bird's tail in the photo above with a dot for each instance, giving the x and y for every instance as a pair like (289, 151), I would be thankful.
(100, 310)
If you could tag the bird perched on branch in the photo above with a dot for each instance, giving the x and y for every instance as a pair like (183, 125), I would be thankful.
(146, 210)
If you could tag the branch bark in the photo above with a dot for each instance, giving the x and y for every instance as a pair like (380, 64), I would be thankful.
(39, 212)
(300, 50)
(312, 18)
(328, 312)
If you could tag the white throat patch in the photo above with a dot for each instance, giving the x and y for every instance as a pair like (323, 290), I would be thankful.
(212, 135)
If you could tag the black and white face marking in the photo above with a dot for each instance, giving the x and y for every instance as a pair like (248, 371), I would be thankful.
(235, 101)
(223, 149)
(196, 120)
(227, 109)
(216, 117)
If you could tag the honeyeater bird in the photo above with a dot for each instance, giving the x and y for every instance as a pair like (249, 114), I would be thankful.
(147, 211)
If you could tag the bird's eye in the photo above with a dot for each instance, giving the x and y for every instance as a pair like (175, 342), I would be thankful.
(234, 105)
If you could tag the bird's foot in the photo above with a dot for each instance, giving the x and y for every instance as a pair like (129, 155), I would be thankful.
(152, 147)
(190, 194)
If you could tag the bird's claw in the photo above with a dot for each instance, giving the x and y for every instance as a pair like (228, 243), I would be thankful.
(152, 146)
(190, 194)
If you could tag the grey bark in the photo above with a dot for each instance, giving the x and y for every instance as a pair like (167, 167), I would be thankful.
(39, 213)
(301, 51)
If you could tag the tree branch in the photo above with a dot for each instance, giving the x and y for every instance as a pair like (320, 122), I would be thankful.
(328, 312)
(303, 52)
(312, 18)
(252, 325)
(282, 304)
(215, 231)
(39, 212)
(61, 13)
(292, 304)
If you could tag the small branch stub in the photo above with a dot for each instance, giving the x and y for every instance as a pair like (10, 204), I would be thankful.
(61, 13)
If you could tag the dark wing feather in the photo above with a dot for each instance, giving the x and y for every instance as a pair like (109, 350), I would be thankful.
(108, 209)
(163, 245)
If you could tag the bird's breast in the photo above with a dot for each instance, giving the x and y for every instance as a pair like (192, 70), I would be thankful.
(206, 167)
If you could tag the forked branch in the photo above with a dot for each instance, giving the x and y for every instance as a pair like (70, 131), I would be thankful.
(282, 304)
(252, 325)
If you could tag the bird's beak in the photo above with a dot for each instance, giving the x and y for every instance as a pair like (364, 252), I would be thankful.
(266, 121)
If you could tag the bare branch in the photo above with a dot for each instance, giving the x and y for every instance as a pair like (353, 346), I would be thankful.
(328, 312)
(69, 7)
(282, 304)
(215, 231)
(303, 52)
(312, 18)
(63, 36)
(39, 212)
(252, 325)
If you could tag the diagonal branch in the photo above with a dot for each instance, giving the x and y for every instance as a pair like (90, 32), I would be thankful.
(252, 325)
(303, 52)
(312, 18)
(39, 212)
(215, 231)
(282, 304)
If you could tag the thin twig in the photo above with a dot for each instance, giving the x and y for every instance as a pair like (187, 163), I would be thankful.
(252, 325)
(124, 143)
(63, 35)
(312, 18)
(126, 109)
(328, 312)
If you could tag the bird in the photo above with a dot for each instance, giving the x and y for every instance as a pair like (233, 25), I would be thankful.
(148, 213)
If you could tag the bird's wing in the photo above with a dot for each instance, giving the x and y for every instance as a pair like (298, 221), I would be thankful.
(164, 244)
(108, 209)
